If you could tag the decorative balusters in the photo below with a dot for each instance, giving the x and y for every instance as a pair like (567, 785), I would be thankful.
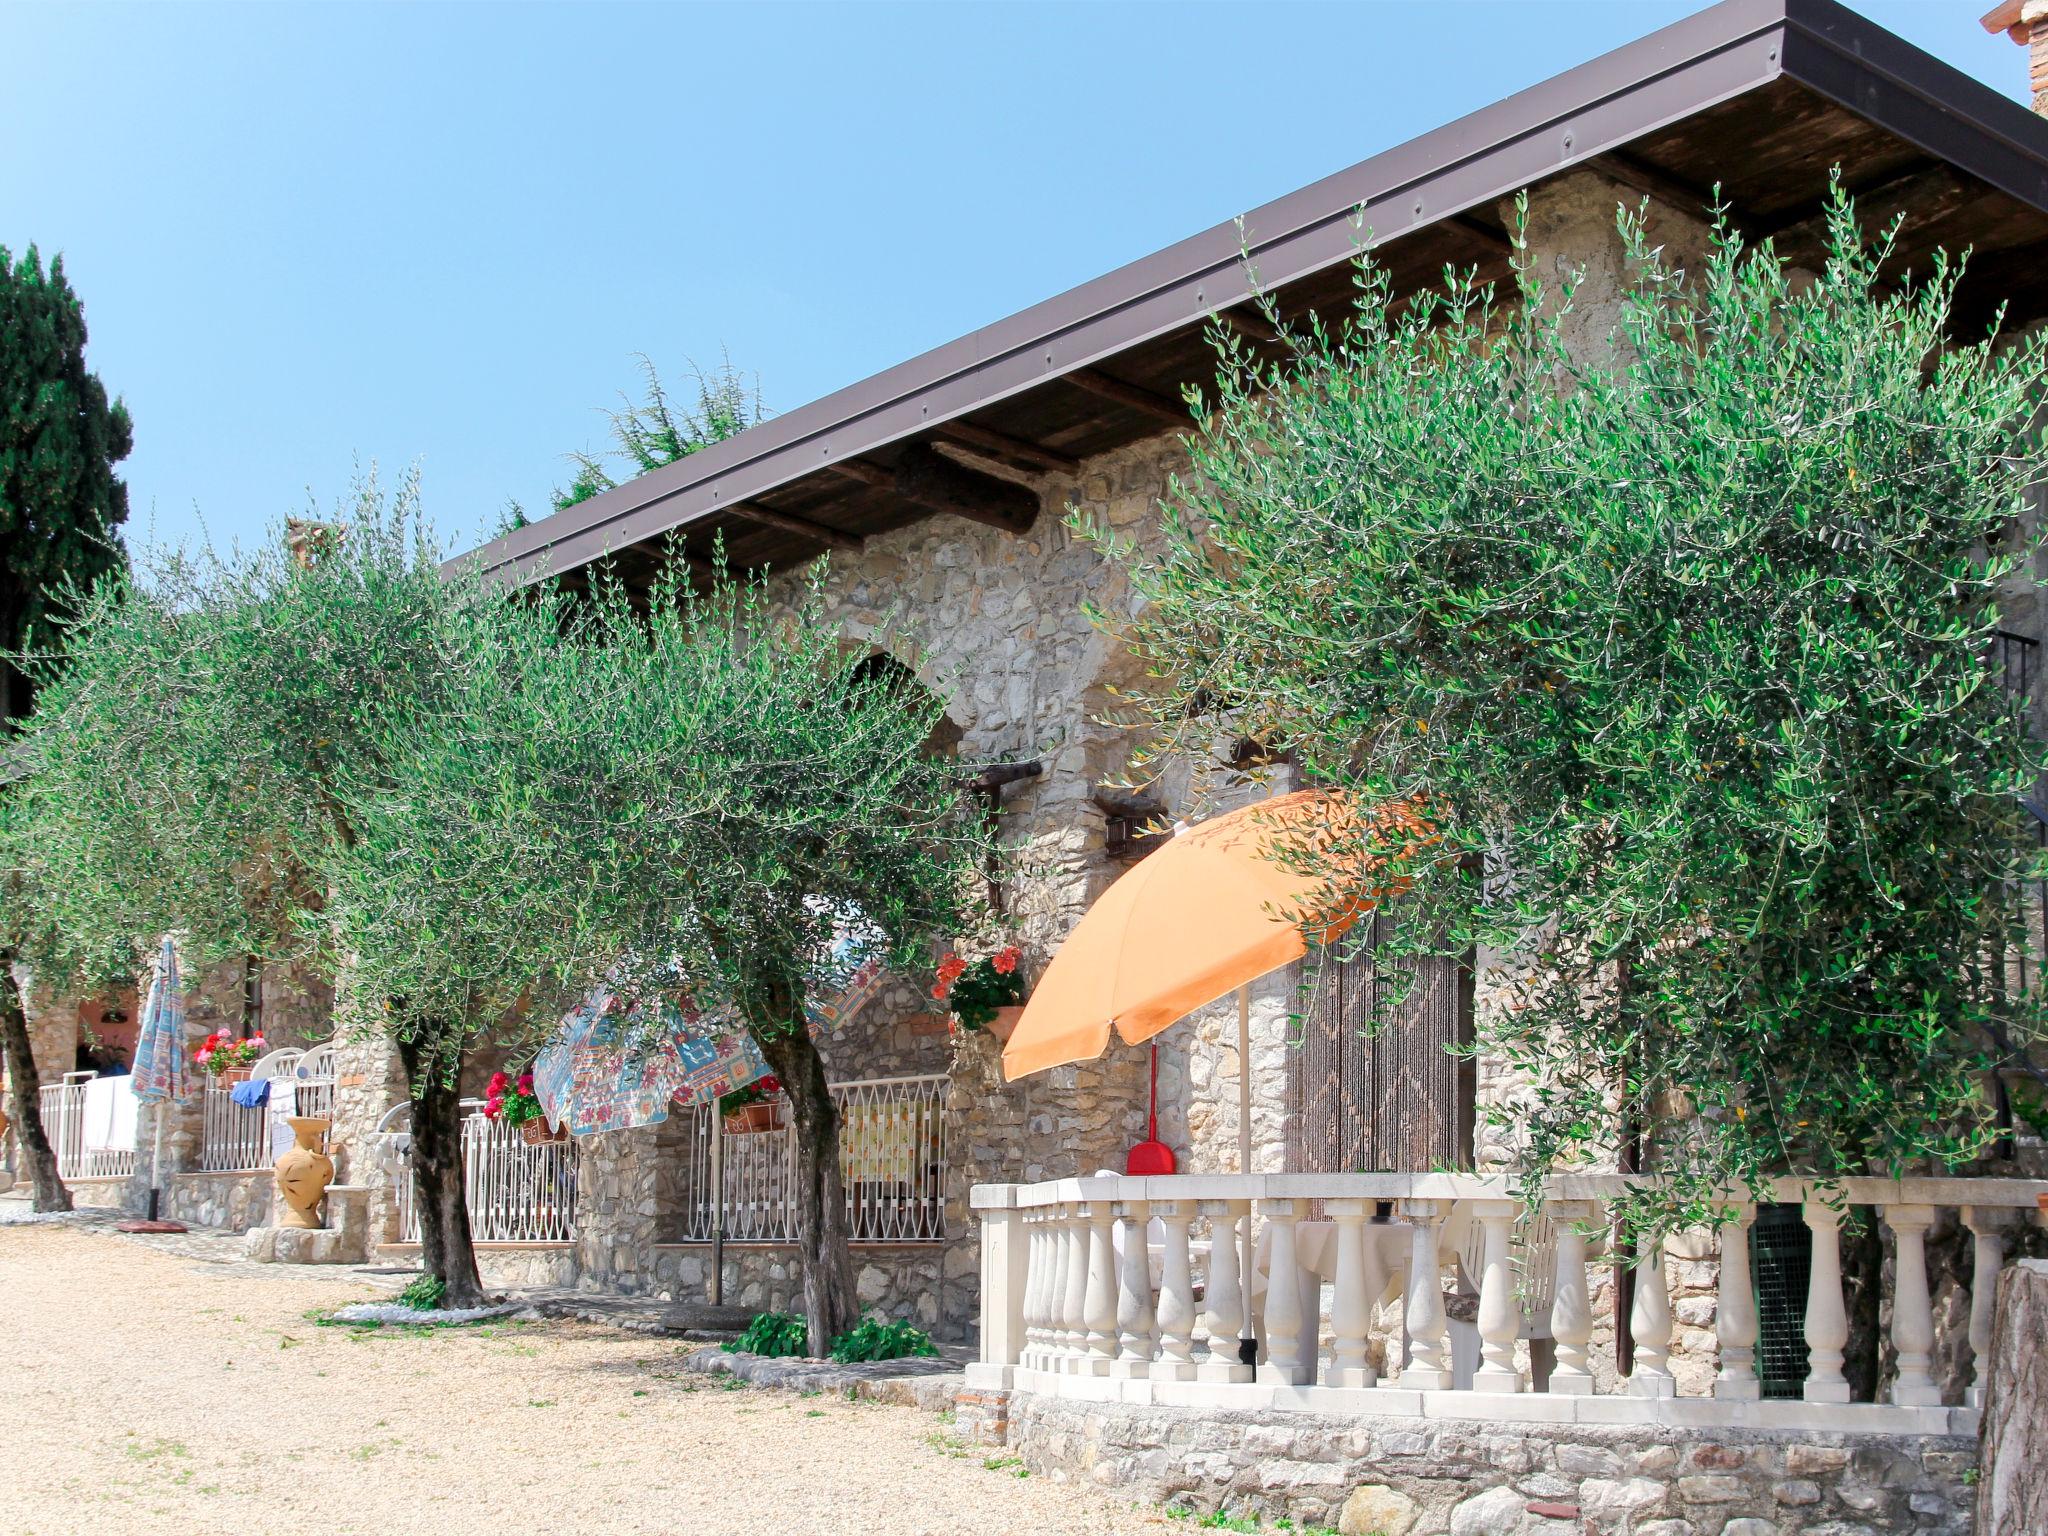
(1360, 1280)
(1827, 1321)
(1649, 1323)
(1500, 1316)
(1074, 1291)
(1428, 1364)
(1989, 1258)
(1175, 1317)
(1098, 1314)
(1571, 1306)
(1912, 1313)
(1735, 1315)
(1034, 1291)
(1134, 1316)
(1068, 1283)
(1281, 1323)
(1223, 1312)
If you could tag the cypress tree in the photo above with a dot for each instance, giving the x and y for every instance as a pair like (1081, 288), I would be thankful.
(61, 504)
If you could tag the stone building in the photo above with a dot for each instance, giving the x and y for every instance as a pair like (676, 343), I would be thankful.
(940, 491)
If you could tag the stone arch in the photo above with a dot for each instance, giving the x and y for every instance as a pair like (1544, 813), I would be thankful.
(884, 666)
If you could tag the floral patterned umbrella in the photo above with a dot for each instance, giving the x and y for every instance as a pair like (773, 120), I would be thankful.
(593, 1076)
(162, 1074)
(162, 1071)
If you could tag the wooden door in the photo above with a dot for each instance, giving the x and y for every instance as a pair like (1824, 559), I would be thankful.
(1394, 1100)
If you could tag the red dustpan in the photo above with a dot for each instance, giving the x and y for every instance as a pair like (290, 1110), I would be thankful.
(1151, 1156)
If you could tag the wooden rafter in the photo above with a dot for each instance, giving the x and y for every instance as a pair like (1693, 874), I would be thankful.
(1133, 396)
(789, 522)
(1005, 448)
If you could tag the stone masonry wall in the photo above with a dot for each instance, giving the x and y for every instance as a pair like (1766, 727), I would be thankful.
(1447, 1477)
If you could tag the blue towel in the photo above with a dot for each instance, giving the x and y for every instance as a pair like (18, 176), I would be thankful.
(253, 1094)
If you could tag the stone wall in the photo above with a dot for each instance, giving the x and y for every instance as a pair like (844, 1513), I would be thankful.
(1428, 1477)
(228, 1202)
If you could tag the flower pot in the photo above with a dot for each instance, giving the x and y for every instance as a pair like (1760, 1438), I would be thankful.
(751, 1119)
(303, 1173)
(236, 1074)
(1005, 1022)
(538, 1133)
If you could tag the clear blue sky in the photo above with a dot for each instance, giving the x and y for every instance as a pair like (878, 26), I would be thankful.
(309, 237)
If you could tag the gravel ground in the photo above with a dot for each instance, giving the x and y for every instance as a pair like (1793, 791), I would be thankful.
(142, 1390)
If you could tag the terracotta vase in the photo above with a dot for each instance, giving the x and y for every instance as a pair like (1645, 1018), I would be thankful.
(303, 1173)
(1005, 1022)
(236, 1074)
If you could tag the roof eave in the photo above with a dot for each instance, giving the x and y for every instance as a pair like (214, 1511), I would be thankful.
(1594, 109)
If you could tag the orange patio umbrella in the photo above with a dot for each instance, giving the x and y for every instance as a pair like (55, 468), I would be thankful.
(1205, 915)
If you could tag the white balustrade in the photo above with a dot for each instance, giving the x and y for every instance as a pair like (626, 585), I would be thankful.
(1088, 1309)
(1987, 1231)
(1135, 1324)
(1500, 1320)
(1571, 1308)
(1735, 1315)
(1427, 1367)
(1649, 1324)
(1912, 1312)
(1360, 1281)
(1224, 1315)
(1827, 1319)
(1284, 1314)
(1099, 1299)
(1074, 1292)
(1175, 1314)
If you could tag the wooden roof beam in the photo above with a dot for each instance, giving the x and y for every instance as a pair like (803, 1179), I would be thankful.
(1005, 448)
(1134, 397)
(789, 522)
(938, 484)
(1659, 185)
(1924, 194)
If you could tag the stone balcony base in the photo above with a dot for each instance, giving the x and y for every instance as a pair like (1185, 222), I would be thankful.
(1363, 1470)
(1519, 1408)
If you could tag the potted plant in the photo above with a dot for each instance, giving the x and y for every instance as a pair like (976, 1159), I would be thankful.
(514, 1102)
(221, 1055)
(753, 1108)
(983, 994)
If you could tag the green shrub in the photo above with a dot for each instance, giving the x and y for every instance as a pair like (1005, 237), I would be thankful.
(773, 1333)
(423, 1294)
(874, 1339)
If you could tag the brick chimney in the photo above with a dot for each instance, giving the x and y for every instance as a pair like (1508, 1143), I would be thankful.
(2026, 23)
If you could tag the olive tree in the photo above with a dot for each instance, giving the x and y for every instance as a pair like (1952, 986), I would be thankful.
(199, 748)
(707, 794)
(1688, 657)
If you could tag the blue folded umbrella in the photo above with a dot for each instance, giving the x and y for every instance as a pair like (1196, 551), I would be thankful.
(253, 1094)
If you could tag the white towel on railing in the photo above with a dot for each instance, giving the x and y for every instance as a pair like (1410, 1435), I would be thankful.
(109, 1114)
(284, 1103)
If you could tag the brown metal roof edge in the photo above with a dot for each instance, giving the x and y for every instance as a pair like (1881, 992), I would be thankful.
(1587, 111)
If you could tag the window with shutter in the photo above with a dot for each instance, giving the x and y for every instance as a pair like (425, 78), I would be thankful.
(1394, 1100)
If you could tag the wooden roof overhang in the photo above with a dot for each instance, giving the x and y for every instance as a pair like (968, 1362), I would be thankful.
(1758, 97)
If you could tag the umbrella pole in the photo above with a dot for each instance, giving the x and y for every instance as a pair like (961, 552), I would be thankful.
(1247, 1344)
(156, 1159)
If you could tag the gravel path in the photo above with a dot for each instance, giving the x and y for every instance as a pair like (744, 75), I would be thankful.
(145, 1391)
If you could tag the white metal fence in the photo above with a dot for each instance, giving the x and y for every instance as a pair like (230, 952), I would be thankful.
(892, 1160)
(64, 1122)
(234, 1138)
(516, 1193)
